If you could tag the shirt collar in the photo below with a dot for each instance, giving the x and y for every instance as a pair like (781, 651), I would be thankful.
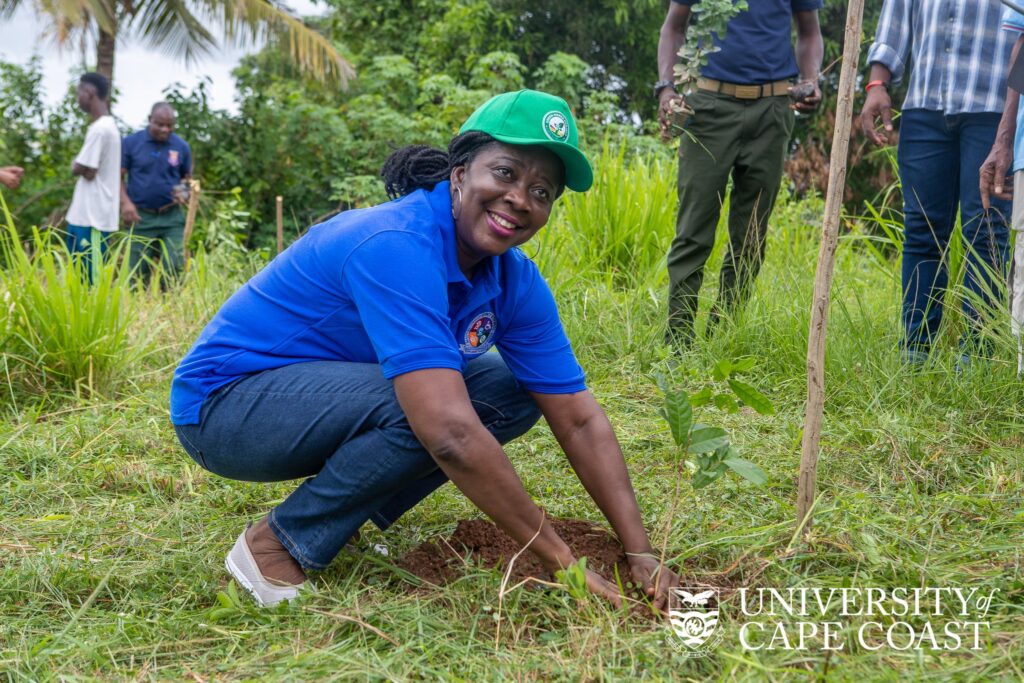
(485, 280)
(152, 139)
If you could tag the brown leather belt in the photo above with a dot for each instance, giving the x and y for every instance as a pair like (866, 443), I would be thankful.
(745, 92)
(166, 208)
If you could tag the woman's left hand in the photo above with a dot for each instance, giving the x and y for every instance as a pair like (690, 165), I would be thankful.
(654, 578)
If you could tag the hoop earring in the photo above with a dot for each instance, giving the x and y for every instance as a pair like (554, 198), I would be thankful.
(456, 214)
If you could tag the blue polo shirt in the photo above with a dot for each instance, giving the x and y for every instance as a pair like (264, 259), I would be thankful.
(154, 167)
(758, 45)
(382, 285)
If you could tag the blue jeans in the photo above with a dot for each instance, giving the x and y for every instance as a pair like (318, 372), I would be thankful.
(339, 424)
(87, 247)
(939, 157)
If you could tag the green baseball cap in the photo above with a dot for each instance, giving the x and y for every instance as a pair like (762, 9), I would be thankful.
(531, 117)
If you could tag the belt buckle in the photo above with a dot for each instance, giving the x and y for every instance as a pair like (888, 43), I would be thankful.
(748, 92)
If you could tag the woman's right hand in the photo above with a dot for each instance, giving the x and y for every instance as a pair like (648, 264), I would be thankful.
(603, 588)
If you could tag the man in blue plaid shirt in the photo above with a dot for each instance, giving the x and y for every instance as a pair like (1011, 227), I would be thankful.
(956, 55)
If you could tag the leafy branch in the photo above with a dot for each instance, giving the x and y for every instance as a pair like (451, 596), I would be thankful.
(709, 21)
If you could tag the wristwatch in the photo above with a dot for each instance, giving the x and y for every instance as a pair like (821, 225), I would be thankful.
(661, 85)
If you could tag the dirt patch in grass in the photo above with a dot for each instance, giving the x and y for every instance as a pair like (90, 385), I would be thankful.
(478, 541)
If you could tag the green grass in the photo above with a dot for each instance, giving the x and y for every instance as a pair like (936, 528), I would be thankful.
(112, 540)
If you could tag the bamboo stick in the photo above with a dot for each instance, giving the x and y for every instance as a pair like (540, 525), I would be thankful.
(826, 265)
(190, 215)
(280, 224)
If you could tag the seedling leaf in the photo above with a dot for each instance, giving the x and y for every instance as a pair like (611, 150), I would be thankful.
(746, 469)
(726, 402)
(743, 365)
(679, 414)
(706, 439)
(752, 397)
(701, 398)
(723, 369)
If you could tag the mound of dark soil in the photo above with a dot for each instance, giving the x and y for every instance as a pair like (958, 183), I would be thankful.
(480, 542)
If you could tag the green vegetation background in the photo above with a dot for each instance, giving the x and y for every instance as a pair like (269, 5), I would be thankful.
(112, 541)
(423, 66)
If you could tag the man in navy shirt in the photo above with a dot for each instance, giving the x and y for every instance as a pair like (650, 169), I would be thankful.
(741, 126)
(157, 164)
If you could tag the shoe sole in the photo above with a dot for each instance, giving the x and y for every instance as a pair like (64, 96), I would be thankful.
(241, 576)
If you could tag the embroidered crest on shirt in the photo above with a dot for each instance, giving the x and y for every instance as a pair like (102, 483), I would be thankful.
(172, 157)
(480, 334)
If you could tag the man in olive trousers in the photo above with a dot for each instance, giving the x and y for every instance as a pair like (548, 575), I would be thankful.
(156, 165)
(742, 121)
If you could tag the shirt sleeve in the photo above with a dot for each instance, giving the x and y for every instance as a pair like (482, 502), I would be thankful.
(402, 298)
(806, 5)
(893, 38)
(92, 149)
(1013, 20)
(535, 347)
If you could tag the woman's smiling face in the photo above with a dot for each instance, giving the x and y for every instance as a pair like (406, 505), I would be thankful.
(507, 195)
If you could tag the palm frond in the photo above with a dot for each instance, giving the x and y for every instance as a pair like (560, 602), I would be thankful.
(171, 26)
(253, 20)
(68, 15)
(8, 8)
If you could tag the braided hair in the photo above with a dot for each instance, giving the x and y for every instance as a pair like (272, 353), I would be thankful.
(421, 167)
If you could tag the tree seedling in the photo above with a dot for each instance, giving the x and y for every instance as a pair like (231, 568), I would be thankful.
(705, 450)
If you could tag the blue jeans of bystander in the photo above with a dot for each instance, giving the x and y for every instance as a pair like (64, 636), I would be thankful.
(87, 246)
(939, 157)
(339, 424)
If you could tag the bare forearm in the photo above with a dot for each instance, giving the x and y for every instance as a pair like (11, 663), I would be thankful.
(671, 39)
(880, 72)
(478, 466)
(86, 172)
(596, 457)
(1008, 123)
(809, 53)
(668, 49)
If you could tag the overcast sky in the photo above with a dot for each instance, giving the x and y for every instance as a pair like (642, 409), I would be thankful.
(140, 75)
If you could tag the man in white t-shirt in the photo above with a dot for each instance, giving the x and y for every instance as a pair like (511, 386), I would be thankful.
(94, 208)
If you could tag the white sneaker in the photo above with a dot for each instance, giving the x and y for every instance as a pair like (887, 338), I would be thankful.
(267, 592)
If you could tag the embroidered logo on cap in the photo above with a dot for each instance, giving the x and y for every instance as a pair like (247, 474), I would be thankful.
(555, 126)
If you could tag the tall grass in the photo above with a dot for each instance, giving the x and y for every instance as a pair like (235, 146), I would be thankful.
(616, 234)
(60, 332)
(111, 560)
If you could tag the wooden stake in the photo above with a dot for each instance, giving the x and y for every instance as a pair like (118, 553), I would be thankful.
(280, 224)
(190, 216)
(826, 266)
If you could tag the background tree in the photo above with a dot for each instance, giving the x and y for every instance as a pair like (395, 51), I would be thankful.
(185, 28)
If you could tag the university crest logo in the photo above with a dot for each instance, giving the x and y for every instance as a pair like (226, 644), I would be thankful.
(172, 157)
(693, 615)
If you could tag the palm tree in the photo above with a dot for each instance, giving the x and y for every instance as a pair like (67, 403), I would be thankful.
(180, 28)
